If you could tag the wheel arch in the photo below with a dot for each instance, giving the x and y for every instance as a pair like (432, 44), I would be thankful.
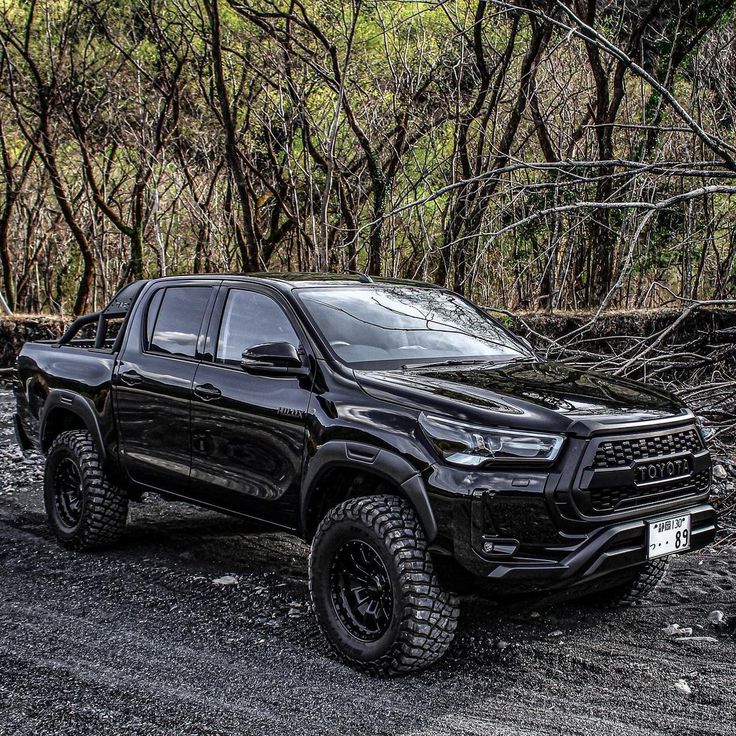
(65, 410)
(339, 471)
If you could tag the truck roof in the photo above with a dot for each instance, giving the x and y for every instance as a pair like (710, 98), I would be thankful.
(124, 298)
(292, 280)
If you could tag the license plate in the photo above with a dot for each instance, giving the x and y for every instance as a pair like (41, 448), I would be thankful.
(667, 536)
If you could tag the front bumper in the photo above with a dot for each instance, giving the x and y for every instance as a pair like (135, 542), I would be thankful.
(599, 554)
(606, 551)
(533, 531)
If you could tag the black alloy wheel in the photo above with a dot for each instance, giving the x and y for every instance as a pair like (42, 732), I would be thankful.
(68, 492)
(375, 591)
(85, 509)
(361, 591)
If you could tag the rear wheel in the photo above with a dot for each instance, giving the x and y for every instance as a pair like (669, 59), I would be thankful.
(636, 589)
(375, 592)
(84, 509)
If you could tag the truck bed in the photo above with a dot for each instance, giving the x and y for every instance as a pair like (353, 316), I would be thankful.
(81, 363)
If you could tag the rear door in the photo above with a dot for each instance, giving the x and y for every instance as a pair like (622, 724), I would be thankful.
(153, 383)
(248, 430)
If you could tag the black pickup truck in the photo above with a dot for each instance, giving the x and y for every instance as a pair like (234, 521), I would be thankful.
(420, 447)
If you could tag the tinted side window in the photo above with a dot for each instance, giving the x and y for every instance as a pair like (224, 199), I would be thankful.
(251, 319)
(174, 329)
(153, 306)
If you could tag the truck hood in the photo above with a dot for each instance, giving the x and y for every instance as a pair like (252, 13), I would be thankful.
(543, 396)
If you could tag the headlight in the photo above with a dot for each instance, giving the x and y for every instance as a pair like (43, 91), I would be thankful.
(465, 444)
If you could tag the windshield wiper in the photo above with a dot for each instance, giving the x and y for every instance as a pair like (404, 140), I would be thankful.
(467, 361)
(450, 361)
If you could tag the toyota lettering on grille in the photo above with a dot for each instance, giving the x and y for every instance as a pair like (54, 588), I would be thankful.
(662, 470)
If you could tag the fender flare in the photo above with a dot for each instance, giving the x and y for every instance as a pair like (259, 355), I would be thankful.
(72, 403)
(380, 462)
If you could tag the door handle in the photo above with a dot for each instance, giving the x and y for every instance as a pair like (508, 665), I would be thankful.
(207, 392)
(131, 378)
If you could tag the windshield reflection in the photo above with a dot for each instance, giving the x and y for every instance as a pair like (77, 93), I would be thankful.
(391, 326)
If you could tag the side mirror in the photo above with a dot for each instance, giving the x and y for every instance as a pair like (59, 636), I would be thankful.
(273, 358)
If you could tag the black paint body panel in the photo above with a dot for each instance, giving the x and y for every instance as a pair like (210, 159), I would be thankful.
(262, 445)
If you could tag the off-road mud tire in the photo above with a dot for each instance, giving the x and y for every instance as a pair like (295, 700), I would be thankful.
(635, 590)
(99, 517)
(423, 614)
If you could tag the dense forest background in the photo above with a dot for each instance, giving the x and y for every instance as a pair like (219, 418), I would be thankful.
(535, 155)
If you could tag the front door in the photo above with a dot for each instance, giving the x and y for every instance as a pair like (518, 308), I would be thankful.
(248, 431)
(153, 385)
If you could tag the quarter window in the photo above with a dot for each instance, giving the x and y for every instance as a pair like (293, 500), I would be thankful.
(249, 319)
(174, 328)
(153, 306)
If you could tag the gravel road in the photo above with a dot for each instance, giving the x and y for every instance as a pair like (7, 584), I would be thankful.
(199, 624)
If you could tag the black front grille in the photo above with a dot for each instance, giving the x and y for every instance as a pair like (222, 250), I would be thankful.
(621, 453)
(605, 500)
(608, 475)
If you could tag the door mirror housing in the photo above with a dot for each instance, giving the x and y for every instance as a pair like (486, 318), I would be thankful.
(273, 358)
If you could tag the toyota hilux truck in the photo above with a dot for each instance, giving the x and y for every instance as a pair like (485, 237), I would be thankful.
(419, 447)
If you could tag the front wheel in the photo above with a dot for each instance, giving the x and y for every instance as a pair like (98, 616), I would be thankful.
(636, 589)
(84, 509)
(375, 592)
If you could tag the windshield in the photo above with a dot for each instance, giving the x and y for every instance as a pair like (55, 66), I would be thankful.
(391, 326)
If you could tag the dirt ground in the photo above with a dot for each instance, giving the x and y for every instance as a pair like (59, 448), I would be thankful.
(199, 624)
